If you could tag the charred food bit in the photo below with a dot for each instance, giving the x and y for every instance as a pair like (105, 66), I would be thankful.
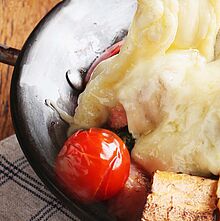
(126, 136)
(180, 197)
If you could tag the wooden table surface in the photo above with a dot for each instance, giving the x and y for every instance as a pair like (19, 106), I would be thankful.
(17, 20)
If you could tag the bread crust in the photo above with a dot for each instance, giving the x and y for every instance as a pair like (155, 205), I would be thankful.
(180, 197)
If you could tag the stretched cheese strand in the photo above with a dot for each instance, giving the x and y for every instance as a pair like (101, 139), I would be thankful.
(198, 25)
(152, 32)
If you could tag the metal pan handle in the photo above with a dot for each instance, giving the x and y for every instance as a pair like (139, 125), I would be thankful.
(8, 55)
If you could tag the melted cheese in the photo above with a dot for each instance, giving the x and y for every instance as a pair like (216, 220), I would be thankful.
(168, 82)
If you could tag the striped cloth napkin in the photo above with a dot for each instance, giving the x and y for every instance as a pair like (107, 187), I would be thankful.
(23, 197)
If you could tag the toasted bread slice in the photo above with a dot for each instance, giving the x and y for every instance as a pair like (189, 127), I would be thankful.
(180, 197)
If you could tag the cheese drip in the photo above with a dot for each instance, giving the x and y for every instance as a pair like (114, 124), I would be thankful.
(167, 77)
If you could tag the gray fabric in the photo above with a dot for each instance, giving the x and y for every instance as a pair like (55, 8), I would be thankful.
(23, 197)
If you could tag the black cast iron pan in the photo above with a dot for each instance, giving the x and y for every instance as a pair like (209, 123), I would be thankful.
(69, 38)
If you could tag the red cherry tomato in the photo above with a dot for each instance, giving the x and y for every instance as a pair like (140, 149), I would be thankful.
(93, 164)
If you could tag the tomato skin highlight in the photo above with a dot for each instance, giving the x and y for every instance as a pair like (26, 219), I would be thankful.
(93, 164)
